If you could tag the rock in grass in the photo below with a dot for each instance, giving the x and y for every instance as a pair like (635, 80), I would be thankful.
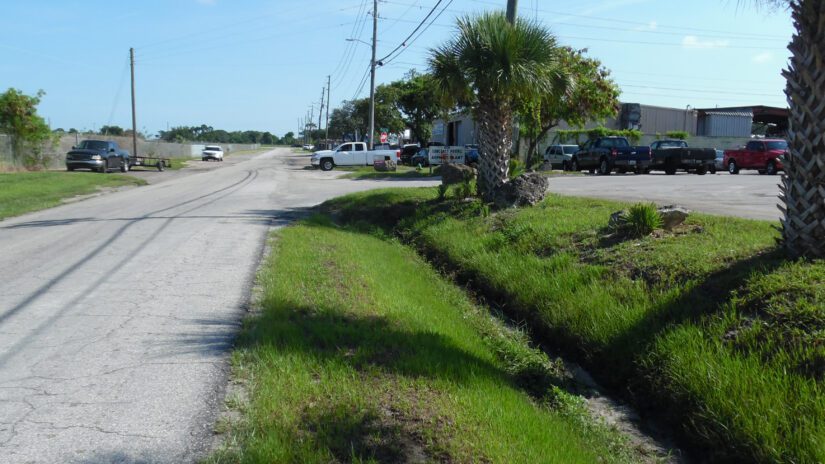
(673, 216)
(617, 220)
(455, 173)
(525, 190)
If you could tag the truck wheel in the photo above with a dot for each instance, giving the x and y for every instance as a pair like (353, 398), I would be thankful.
(702, 170)
(771, 168)
(574, 165)
(712, 169)
(105, 168)
(124, 166)
(732, 167)
(327, 164)
(604, 168)
(670, 170)
(160, 165)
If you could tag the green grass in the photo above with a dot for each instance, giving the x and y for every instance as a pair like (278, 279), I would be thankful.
(709, 327)
(368, 172)
(363, 353)
(24, 192)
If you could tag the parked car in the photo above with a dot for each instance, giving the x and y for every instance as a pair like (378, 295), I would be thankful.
(212, 152)
(719, 165)
(422, 158)
(407, 152)
(672, 155)
(309, 147)
(351, 154)
(763, 155)
(97, 155)
(604, 154)
(559, 156)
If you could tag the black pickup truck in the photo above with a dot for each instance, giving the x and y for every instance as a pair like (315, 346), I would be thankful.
(605, 154)
(671, 155)
(97, 155)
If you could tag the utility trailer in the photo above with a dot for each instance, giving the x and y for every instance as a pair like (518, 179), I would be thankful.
(150, 162)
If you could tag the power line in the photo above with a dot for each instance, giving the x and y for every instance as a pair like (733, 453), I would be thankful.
(640, 23)
(423, 31)
(404, 42)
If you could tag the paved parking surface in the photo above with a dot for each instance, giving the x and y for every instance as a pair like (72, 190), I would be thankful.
(748, 195)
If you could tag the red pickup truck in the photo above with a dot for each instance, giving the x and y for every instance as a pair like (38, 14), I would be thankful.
(762, 155)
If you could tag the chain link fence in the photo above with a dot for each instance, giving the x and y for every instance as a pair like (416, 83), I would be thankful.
(53, 154)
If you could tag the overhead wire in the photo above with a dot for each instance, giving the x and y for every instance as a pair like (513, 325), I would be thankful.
(404, 42)
(411, 42)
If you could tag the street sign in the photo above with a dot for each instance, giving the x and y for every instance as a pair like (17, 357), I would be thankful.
(384, 136)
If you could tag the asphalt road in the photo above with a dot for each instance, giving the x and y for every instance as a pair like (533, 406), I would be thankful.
(117, 313)
(747, 195)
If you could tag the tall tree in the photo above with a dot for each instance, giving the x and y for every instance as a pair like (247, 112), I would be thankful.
(494, 67)
(803, 183)
(417, 99)
(28, 131)
(588, 94)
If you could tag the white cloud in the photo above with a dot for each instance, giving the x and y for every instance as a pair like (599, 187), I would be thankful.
(695, 43)
(763, 58)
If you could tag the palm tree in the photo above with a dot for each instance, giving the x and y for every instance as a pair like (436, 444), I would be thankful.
(491, 67)
(803, 184)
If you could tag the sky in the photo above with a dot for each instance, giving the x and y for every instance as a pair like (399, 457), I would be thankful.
(261, 65)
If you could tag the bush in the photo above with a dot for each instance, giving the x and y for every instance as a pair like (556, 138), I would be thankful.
(680, 135)
(517, 168)
(442, 191)
(642, 219)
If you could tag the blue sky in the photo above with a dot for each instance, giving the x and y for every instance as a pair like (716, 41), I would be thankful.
(245, 64)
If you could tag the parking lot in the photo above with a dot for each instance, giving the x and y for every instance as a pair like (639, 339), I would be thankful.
(747, 195)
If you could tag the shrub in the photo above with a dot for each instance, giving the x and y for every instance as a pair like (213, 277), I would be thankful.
(517, 168)
(642, 219)
(442, 191)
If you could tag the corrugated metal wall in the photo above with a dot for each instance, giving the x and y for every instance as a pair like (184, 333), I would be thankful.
(658, 120)
(726, 124)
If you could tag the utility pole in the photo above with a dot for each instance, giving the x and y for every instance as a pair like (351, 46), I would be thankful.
(134, 119)
(512, 6)
(309, 121)
(372, 72)
(329, 85)
(321, 111)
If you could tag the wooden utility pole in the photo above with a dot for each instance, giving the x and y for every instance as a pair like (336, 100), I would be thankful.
(372, 72)
(512, 6)
(321, 111)
(134, 119)
(329, 85)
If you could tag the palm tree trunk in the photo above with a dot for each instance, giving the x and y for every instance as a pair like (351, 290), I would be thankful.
(495, 121)
(803, 184)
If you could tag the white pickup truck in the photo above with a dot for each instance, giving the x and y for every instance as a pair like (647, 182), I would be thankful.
(352, 154)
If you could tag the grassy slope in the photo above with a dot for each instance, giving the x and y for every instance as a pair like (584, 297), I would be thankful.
(25, 192)
(369, 172)
(363, 353)
(710, 326)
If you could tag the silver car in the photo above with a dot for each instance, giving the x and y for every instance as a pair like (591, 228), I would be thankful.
(559, 156)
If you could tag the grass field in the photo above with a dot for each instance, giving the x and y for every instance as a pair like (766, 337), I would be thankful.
(363, 353)
(709, 328)
(368, 172)
(24, 192)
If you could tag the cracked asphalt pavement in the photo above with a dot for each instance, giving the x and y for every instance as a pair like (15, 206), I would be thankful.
(117, 313)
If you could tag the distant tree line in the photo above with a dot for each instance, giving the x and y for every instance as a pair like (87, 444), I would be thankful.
(204, 133)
